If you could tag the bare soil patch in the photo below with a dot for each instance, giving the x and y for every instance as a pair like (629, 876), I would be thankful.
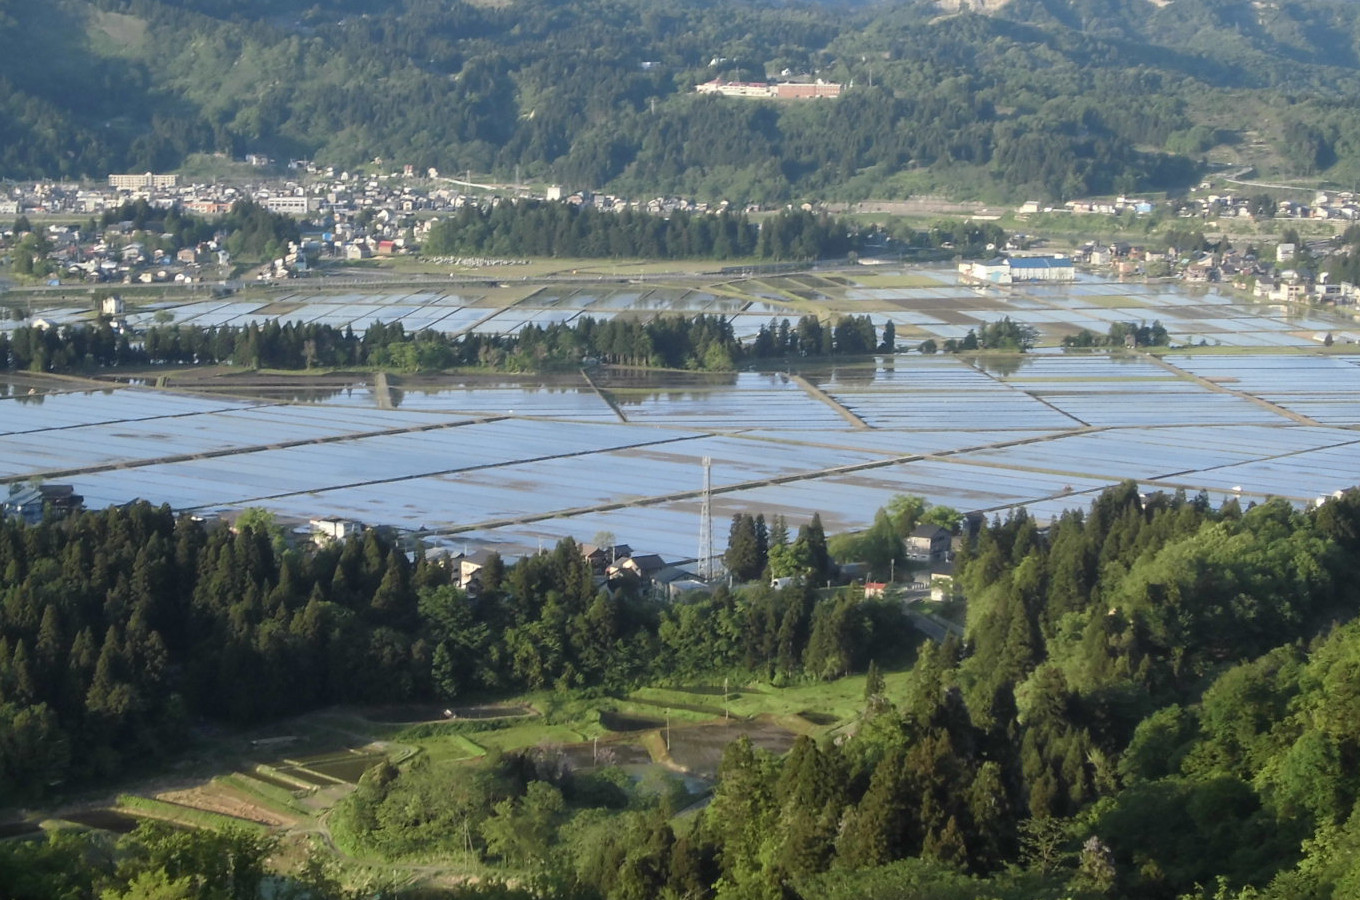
(615, 721)
(586, 756)
(215, 798)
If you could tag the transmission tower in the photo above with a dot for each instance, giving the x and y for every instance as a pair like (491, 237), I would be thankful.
(706, 524)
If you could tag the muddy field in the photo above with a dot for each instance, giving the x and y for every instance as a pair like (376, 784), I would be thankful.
(586, 756)
(622, 722)
(346, 766)
(699, 748)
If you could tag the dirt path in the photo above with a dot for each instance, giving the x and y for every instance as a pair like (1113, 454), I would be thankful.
(844, 411)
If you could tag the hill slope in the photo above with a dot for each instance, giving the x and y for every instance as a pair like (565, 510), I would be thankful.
(1043, 97)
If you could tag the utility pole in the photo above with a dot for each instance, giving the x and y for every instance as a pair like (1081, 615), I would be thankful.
(726, 717)
(668, 729)
(706, 524)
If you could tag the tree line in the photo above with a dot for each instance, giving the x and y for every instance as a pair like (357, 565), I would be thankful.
(678, 342)
(529, 228)
(1121, 334)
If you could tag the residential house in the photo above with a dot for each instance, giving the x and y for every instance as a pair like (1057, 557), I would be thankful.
(29, 503)
(601, 558)
(644, 567)
(470, 567)
(928, 543)
(333, 528)
(671, 582)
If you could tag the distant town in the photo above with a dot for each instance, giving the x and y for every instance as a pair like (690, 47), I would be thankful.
(360, 216)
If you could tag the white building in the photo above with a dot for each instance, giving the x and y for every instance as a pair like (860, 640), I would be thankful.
(289, 206)
(142, 182)
(1020, 270)
(333, 528)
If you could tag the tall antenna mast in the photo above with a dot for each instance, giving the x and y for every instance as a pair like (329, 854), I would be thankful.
(706, 524)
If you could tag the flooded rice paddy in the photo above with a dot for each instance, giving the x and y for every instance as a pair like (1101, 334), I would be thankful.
(1261, 409)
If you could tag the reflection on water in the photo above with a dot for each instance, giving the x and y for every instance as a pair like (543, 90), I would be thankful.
(662, 379)
(35, 393)
(1000, 366)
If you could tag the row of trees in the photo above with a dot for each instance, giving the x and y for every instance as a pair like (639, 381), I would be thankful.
(1003, 334)
(1121, 334)
(529, 228)
(678, 342)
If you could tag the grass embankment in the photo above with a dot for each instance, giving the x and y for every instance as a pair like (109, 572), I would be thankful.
(822, 703)
(269, 796)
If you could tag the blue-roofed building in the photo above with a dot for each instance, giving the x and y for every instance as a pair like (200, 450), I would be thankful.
(1020, 270)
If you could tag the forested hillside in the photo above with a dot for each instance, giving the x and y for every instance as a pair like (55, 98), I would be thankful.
(119, 629)
(1051, 99)
(1153, 699)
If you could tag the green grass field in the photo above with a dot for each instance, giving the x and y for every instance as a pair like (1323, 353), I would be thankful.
(531, 735)
(452, 748)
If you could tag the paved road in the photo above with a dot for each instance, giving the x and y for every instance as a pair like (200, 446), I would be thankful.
(932, 626)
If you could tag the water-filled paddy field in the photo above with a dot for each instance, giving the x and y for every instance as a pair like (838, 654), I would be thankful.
(1260, 409)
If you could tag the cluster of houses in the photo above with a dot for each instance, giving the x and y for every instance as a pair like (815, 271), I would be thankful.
(611, 565)
(1118, 206)
(316, 193)
(1341, 206)
(117, 255)
(1273, 281)
(363, 216)
(929, 549)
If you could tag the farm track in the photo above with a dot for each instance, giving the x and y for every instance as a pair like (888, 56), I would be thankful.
(841, 409)
(1210, 385)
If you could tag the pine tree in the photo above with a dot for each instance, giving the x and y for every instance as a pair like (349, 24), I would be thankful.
(442, 673)
(742, 557)
(873, 831)
(874, 686)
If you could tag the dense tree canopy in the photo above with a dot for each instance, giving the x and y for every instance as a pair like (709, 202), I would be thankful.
(598, 93)
(1150, 695)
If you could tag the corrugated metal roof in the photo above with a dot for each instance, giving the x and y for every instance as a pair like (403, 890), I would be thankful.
(1040, 262)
